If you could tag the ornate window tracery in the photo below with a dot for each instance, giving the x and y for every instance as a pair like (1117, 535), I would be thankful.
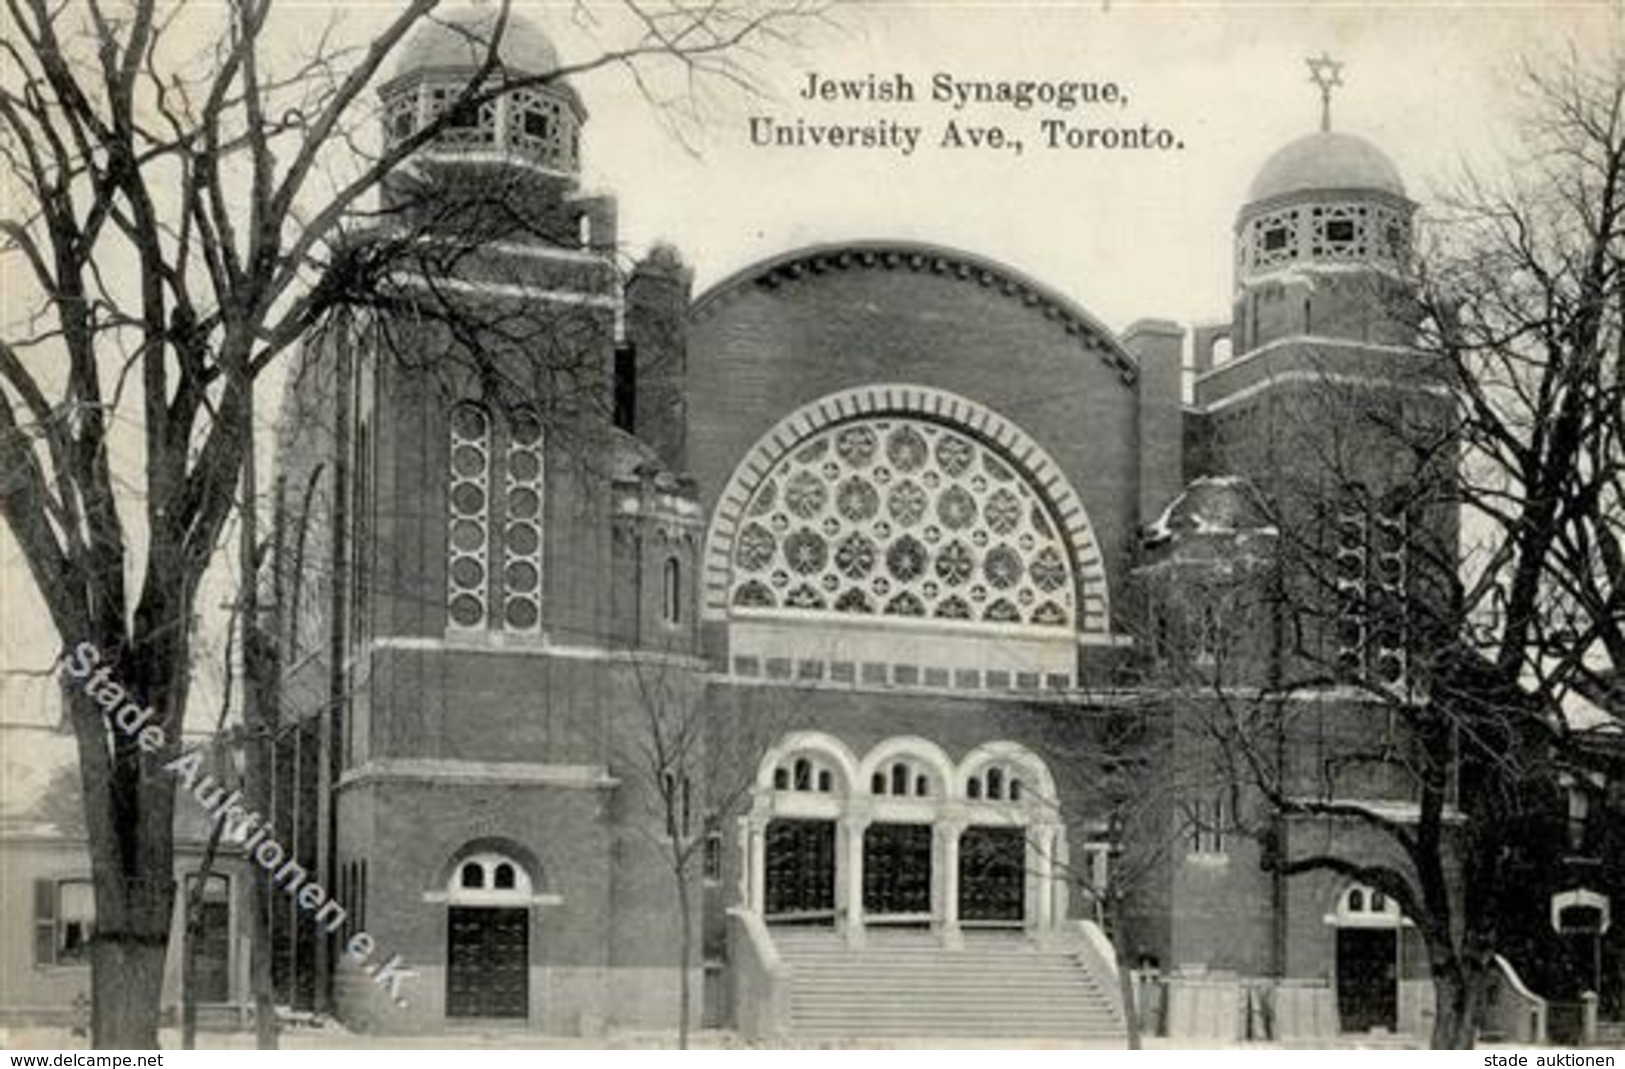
(469, 124)
(469, 536)
(534, 124)
(480, 465)
(896, 516)
(1335, 230)
(522, 531)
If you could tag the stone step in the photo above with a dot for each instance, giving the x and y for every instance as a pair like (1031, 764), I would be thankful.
(907, 984)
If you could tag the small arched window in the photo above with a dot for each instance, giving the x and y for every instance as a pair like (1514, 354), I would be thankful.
(672, 592)
(1356, 901)
(995, 783)
(805, 772)
(901, 779)
(488, 879)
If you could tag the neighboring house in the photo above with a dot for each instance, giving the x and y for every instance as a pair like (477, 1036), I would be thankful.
(46, 898)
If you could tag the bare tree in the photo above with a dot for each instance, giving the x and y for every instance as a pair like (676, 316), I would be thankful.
(1461, 667)
(184, 205)
(691, 775)
(1132, 833)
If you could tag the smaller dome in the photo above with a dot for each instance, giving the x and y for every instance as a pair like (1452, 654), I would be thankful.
(1224, 507)
(460, 39)
(1326, 161)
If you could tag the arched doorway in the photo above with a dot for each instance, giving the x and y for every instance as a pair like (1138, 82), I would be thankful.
(1368, 925)
(799, 842)
(488, 900)
(903, 838)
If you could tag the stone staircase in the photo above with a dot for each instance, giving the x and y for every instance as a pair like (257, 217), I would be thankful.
(904, 984)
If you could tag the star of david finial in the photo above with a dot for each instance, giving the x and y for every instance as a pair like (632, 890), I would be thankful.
(1327, 73)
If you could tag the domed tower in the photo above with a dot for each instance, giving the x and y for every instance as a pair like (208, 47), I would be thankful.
(1323, 246)
(467, 804)
(1326, 405)
(508, 158)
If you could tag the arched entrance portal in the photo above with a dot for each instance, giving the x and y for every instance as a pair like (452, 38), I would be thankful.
(903, 838)
(488, 903)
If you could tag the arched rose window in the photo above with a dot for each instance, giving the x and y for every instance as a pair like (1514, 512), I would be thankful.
(902, 517)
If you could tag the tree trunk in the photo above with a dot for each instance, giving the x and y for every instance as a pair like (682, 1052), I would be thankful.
(129, 803)
(195, 895)
(1125, 981)
(127, 979)
(1131, 1011)
(259, 720)
(1458, 994)
(685, 953)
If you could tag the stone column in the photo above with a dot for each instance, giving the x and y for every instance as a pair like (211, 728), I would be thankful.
(754, 864)
(948, 884)
(851, 876)
(1044, 838)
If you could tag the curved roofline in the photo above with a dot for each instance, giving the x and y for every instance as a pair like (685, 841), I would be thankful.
(918, 256)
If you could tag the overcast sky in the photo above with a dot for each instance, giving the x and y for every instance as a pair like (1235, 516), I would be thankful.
(1126, 234)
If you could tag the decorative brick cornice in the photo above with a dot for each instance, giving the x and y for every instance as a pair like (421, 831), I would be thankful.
(1087, 332)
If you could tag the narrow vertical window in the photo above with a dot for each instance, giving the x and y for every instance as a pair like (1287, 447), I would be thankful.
(522, 526)
(469, 532)
(711, 865)
(672, 592)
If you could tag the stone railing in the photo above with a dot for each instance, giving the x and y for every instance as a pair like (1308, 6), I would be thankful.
(761, 981)
(1512, 1013)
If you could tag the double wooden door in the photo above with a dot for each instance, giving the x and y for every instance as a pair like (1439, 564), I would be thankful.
(488, 962)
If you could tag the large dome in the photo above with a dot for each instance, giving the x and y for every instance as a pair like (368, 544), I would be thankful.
(459, 39)
(1326, 161)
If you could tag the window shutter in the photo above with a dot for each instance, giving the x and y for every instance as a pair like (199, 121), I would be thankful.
(44, 922)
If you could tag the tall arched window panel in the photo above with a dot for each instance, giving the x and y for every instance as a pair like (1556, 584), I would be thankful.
(522, 526)
(495, 518)
(468, 500)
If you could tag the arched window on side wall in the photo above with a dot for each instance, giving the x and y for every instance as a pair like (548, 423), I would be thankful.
(672, 592)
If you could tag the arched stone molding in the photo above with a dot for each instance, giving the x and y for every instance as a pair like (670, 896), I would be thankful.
(498, 846)
(810, 803)
(1002, 436)
(814, 742)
